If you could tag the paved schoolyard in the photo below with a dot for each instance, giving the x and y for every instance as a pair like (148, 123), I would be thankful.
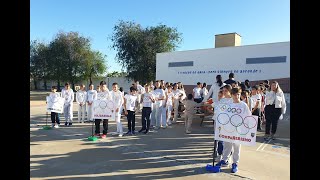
(65, 153)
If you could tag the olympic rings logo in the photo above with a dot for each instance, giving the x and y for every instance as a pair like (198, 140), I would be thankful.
(104, 105)
(237, 123)
(234, 110)
(101, 95)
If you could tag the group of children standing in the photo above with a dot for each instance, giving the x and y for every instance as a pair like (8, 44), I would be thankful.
(157, 103)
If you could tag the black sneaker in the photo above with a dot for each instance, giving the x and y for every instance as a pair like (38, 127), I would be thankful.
(133, 132)
(70, 124)
(146, 132)
(128, 133)
(267, 137)
(66, 123)
(141, 130)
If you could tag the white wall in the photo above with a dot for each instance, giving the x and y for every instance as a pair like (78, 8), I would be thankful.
(222, 61)
(122, 82)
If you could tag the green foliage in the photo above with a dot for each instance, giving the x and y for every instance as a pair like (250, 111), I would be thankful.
(68, 57)
(117, 74)
(137, 47)
(39, 53)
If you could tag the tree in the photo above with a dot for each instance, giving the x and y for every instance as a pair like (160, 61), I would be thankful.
(95, 65)
(137, 47)
(38, 62)
(73, 60)
(68, 57)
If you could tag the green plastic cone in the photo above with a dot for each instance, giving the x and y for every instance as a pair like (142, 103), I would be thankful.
(92, 138)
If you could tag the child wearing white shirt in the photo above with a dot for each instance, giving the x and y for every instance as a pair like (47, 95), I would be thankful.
(130, 101)
(55, 117)
(147, 101)
(104, 94)
(160, 113)
(189, 111)
(169, 104)
(118, 100)
(177, 96)
(227, 149)
(91, 96)
(256, 104)
(68, 95)
(81, 97)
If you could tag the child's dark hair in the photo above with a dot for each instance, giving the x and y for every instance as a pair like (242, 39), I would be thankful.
(256, 87)
(190, 96)
(235, 91)
(133, 89)
(244, 94)
(204, 84)
(228, 87)
(113, 84)
(102, 83)
(54, 87)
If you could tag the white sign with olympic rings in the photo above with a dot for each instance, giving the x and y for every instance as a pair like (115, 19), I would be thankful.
(234, 125)
(103, 109)
(55, 104)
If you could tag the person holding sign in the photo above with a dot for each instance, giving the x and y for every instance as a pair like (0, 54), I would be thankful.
(81, 97)
(68, 95)
(104, 94)
(236, 93)
(55, 117)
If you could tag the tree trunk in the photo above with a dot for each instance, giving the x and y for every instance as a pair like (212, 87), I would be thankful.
(35, 84)
(90, 77)
(72, 83)
(45, 85)
(58, 86)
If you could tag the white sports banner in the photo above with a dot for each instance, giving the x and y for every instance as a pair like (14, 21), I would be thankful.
(55, 104)
(103, 109)
(232, 125)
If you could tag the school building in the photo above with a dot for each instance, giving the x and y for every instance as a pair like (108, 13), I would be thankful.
(258, 62)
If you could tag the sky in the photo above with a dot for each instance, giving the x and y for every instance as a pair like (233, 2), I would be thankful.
(257, 21)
